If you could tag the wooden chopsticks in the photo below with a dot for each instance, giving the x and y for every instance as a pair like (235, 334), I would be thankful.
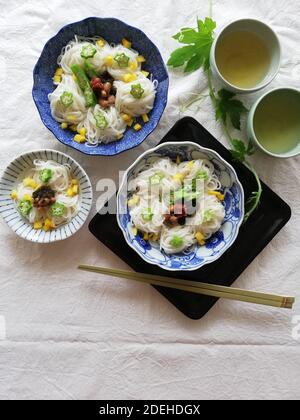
(198, 288)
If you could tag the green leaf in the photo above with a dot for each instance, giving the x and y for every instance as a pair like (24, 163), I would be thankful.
(207, 26)
(240, 151)
(196, 54)
(251, 148)
(194, 63)
(227, 107)
(180, 56)
(187, 36)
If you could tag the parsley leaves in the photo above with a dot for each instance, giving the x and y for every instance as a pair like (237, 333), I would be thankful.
(197, 51)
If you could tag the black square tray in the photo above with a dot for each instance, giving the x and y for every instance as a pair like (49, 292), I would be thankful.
(272, 214)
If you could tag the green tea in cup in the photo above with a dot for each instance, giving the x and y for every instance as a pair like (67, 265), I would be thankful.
(274, 122)
(245, 56)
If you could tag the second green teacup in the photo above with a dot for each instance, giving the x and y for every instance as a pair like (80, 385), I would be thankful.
(274, 123)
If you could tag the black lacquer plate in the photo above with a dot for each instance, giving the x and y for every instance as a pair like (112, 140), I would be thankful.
(254, 236)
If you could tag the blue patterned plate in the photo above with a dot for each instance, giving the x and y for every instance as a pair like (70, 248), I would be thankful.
(14, 173)
(196, 257)
(113, 30)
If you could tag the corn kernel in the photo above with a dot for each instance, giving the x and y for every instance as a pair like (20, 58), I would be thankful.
(141, 59)
(126, 43)
(126, 117)
(30, 182)
(27, 182)
(145, 73)
(57, 79)
(59, 72)
(135, 231)
(200, 238)
(28, 197)
(48, 225)
(70, 192)
(75, 189)
(217, 194)
(129, 77)
(79, 138)
(134, 201)
(82, 131)
(73, 128)
(137, 127)
(109, 60)
(120, 136)
(129, 124)
(37, 225)
(71, 118)
(179, 177)
(146, 237)
(133, 65)
(74, 182)
(14, 195)
(145, 118)
(100, 43)
(64, 126)
(153, 237)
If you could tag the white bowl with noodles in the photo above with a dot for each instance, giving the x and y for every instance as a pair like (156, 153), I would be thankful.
(196, 255)
(71, 215)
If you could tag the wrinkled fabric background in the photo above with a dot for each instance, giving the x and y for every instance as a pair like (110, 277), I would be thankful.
(71, 335)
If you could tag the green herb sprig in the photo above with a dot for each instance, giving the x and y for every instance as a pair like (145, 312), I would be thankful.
(198, 44)
(228, 110)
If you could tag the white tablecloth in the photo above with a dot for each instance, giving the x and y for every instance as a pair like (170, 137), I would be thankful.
(72, 335)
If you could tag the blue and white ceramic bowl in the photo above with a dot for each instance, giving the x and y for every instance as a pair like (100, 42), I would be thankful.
(195, 257)
(113, 30)
(13, 174)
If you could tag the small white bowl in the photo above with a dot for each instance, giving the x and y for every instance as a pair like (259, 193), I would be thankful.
(270, 39)
(20, 226)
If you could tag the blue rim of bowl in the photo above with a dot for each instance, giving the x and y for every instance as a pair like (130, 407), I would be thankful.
(202, 149)
(164, 103)
(77, 165)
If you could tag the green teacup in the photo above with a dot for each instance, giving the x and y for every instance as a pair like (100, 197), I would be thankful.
(246, 56)
(274, 123)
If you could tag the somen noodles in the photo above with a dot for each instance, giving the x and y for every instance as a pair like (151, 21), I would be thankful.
(176, 204)
(101, 90)
(47, 195)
